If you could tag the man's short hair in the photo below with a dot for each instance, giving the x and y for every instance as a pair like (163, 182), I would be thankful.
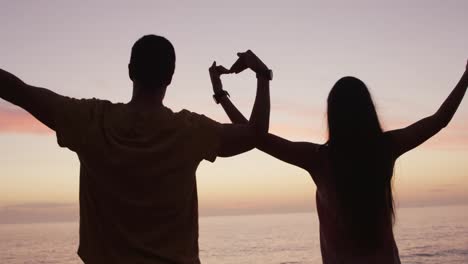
(152, 62)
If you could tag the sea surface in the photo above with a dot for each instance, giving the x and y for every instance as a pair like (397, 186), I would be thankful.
(424, 235)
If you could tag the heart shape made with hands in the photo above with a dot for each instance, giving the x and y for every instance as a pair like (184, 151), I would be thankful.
(238, 67)
(246, 60)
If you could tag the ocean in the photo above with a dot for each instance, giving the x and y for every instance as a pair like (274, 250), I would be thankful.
(424, 235)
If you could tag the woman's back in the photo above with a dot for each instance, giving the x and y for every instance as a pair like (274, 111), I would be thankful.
(354, 209)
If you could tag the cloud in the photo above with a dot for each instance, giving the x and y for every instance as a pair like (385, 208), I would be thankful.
(300, 111)
(20, 121)
(438, 190)
(38, 213)
(295, 122)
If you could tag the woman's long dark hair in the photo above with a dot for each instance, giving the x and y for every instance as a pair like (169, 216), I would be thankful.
(361, 165)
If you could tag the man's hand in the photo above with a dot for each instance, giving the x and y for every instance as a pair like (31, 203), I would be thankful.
(246, 60)
(215, 75)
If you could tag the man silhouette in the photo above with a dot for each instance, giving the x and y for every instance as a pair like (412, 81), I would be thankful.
(138, 193)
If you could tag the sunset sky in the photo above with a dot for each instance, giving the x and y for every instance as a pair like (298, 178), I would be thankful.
(409, 53)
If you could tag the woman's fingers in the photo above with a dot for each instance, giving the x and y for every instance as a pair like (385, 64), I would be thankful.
(222, 70)
(211, 68)
(217, 70)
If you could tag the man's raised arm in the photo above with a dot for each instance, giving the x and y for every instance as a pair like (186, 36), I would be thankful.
(239, 138)
(40, 102)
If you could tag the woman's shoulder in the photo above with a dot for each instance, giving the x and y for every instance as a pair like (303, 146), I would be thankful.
(321, 166)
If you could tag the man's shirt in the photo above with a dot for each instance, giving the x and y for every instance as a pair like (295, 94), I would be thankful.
(138, 192)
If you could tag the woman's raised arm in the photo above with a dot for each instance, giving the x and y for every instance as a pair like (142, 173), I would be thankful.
(414, 135)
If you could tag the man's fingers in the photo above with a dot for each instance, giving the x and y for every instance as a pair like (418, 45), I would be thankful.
(241, 54)
(247, 54)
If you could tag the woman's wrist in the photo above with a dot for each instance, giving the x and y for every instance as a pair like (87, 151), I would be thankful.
(218, 96)
(217, 89)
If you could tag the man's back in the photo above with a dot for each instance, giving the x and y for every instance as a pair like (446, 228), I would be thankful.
(138, 194)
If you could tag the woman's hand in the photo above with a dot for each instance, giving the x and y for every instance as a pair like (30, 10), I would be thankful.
(215, 75)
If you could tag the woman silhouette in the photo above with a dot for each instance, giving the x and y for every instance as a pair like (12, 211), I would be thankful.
(353, 169)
